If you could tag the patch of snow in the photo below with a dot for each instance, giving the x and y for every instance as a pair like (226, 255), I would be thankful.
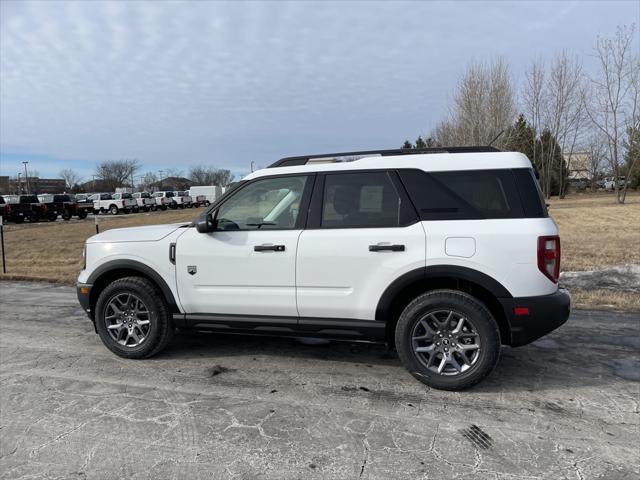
(625, 278)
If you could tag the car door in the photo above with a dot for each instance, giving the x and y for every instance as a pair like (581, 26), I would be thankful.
(247, 265)
(362, 234)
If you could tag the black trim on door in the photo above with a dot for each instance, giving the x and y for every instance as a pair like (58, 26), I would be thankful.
(333, 328)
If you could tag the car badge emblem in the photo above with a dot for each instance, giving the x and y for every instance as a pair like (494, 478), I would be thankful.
(192, 269)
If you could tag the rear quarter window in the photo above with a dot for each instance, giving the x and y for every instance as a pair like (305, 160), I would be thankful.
(531, 196)
(463, 195)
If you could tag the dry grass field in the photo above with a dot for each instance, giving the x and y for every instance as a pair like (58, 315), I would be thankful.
(596, 232)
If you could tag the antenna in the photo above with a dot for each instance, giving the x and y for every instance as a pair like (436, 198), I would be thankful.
(496, 138)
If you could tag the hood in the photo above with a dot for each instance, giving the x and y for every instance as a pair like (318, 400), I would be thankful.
(149, 233)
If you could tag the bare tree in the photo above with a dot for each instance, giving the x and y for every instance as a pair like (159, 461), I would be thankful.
(203, 175)
(615, 95)
(116, 173)
(148, 180)
(71, 178)
(555, 103)
(597, 150)
(483, 106)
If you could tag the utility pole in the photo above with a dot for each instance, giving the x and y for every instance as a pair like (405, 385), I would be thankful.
(251, 166)
(26, 176)
(160, 172)
(19, 184)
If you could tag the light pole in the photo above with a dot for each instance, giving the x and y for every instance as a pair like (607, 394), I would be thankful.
(19, 184)
(160, 172)
(251, 166)
(26, 176)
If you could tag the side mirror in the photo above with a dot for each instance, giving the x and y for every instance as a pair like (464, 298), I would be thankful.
(206, 223)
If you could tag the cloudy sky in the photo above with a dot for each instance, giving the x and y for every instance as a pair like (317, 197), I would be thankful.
(177, 84)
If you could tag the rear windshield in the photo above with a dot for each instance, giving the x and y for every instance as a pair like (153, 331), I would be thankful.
(125, 195)
(61, 198)
(144, 195)
(469, 194)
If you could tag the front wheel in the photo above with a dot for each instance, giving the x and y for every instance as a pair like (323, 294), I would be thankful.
(448, 340)
(132, 318)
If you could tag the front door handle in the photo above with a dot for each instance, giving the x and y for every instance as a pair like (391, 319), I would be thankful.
(268, 248)
(390, 248)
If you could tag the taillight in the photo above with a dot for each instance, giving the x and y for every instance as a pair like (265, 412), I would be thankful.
(7, 209)
(44, 208)
(549, 256)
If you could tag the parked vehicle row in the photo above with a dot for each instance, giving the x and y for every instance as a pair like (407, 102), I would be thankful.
(33, 208)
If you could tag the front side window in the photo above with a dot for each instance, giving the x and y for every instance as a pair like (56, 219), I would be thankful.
(272, 203)
(360, 200)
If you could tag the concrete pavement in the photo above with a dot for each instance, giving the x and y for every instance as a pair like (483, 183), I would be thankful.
(248, 407)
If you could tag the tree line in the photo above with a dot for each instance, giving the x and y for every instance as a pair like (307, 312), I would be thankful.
(126, 172)
(558, 111)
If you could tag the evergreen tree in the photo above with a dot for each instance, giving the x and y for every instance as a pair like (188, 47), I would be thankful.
(420, 143)
(407, 145)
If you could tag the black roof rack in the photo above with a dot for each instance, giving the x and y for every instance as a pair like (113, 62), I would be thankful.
(302, 160)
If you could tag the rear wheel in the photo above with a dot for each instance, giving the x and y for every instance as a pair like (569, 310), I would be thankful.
(82, 214)
(163, 207)
(153, 208)
(18, 219)
(66, 215)
(132, 318)
(52, 217)
(448, 340)
(207, 203)
(113, 210)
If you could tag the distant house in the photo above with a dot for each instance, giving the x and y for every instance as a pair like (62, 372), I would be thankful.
(47, 185)
(171, 183)
(94, 186)
(578, 164)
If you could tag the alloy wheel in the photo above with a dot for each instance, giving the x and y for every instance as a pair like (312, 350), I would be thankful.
(127, 319)
(446, 342)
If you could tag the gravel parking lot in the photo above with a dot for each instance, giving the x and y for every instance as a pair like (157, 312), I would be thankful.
(248, 407)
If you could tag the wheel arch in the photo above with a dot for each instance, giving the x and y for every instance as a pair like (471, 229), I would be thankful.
(111, 271)
(408, 286)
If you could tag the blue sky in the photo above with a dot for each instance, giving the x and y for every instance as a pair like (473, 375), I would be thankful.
(175, 84)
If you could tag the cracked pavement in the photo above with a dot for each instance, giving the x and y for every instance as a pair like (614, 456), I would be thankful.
(214, 406)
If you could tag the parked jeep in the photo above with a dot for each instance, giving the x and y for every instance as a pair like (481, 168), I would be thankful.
(145, 202)
(446, 254)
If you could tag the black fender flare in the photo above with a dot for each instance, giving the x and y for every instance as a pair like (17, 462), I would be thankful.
(146, 270)
(437, 271)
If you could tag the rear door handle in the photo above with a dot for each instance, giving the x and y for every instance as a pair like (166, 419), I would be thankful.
(267, 248)
(390, 248)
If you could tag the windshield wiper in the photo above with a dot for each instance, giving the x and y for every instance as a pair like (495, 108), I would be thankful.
(259, 225)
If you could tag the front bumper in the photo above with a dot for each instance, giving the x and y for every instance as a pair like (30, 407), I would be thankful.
(83, 291)
(546, 313)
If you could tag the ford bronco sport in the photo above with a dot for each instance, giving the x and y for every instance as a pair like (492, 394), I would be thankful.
(447, 254)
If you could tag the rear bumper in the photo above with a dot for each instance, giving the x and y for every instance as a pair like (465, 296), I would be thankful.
(546, 313)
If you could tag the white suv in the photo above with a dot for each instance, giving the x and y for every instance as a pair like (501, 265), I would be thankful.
(446, 254)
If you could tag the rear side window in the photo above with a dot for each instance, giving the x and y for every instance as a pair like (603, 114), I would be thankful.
(533, 202)
(463, 195)
(361, 200)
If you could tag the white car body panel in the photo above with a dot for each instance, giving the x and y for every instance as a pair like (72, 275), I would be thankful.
(337, 275)
(232, 278)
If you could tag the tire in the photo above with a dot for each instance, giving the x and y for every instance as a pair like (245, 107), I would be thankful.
(66, 216)
(160, 329)
(82, 214)
(207, 203)
(447, 307)
(52, 217)
(154, 208)
(113, 210)
(18, 219)
(163, 207)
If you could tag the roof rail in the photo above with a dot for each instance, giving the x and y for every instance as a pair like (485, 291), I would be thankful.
(302, 160)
